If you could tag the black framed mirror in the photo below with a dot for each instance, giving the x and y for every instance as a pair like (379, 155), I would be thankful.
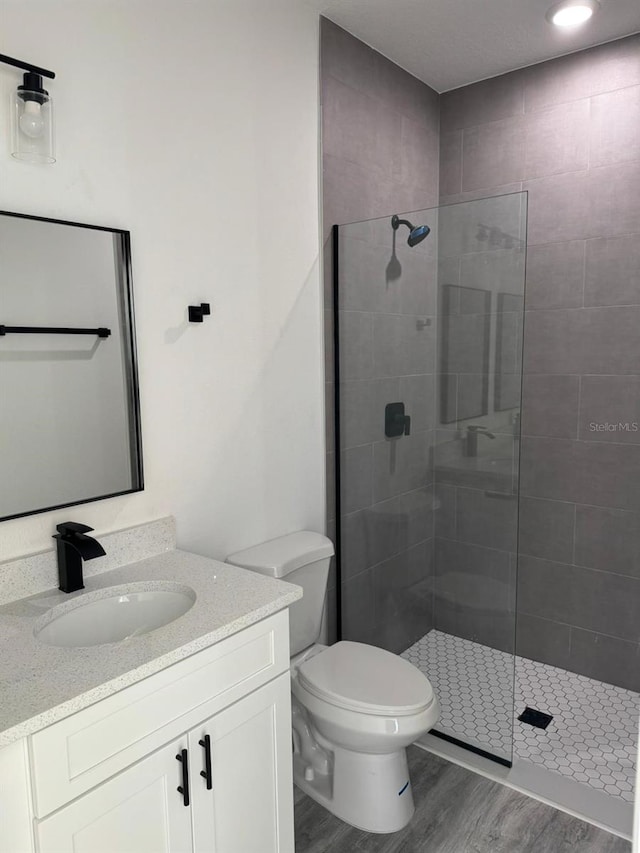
(69, 413)
(508, 365)
(465, 329)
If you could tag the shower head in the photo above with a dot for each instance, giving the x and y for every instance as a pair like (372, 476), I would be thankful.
(417, 233)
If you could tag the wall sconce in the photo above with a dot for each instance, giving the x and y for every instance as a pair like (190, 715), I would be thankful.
(32, 115)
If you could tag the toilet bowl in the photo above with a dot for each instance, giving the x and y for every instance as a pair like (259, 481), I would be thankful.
(364, 708)
(355, 707)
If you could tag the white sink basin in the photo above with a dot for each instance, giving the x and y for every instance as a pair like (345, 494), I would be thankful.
(114, 614)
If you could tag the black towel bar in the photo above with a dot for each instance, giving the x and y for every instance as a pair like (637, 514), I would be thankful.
(52, 330)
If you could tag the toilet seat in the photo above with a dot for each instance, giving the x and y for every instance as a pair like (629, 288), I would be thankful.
(366, 679)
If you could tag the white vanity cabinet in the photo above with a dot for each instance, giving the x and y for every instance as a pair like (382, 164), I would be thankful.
(138, 811)
(248, 807)
(216, 725)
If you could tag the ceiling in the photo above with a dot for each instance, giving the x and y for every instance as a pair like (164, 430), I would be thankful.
(450, 43)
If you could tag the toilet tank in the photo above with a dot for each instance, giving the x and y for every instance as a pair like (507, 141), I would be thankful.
(302, 558)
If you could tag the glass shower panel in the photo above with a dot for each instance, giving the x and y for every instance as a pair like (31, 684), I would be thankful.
(386, 304)
(471, 651)
(428, 379)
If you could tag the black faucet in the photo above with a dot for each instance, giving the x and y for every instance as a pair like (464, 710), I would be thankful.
(470, 446)
(73, 547)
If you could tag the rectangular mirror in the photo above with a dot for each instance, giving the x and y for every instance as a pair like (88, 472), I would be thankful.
(465, 328)
(508, 367)
(69, 410)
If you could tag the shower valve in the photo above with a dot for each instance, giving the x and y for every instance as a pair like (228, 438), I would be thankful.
(396, 422)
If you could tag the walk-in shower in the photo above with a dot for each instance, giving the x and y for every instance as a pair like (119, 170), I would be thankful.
(429, 335)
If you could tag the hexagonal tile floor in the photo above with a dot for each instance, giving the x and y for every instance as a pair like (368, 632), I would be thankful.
(591, 738)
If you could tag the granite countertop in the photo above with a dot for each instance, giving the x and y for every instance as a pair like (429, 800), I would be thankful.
(40, 684)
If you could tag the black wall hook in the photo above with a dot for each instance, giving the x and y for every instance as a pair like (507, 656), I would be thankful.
(197, 313)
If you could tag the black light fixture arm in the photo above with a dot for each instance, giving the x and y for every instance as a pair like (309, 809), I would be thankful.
(26, 66)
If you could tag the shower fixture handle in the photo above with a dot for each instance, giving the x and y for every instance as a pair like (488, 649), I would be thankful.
(396, 422)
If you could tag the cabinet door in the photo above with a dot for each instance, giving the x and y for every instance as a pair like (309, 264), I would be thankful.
(16, 825)
(249, 808)
(137, 811)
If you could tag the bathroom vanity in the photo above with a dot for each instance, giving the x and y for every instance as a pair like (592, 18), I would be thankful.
(176, 740)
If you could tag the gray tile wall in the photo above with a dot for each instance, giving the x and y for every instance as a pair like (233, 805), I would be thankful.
(387, 355)
(568, 131)
(380, 130)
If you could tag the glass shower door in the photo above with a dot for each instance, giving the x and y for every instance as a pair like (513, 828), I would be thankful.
(428, 388)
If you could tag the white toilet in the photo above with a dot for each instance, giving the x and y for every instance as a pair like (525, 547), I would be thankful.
(355, 707)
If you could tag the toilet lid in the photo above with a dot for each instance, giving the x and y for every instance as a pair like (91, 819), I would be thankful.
(364, 678)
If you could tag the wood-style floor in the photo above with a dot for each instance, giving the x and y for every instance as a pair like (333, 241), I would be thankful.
(457, 811)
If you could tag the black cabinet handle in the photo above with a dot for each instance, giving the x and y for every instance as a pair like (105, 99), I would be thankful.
(206, 773)
(183, 789)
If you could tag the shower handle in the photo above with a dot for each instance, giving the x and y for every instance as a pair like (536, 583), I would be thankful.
(396, 422)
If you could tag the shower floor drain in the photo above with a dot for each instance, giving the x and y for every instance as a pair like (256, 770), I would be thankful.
(535, 718)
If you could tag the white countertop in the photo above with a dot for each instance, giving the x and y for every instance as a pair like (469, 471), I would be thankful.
(40, 684)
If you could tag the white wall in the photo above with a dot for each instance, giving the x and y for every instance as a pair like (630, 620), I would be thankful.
(194, 125)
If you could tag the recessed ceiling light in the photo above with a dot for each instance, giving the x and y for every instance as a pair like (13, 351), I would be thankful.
(570, 13)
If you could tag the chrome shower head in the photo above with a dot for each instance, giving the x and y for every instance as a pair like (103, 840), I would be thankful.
(417, 233)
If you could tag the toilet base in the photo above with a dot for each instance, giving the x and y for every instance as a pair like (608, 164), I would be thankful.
(370, 792)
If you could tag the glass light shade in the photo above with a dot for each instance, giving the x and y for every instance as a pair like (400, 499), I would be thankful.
(33, 137)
